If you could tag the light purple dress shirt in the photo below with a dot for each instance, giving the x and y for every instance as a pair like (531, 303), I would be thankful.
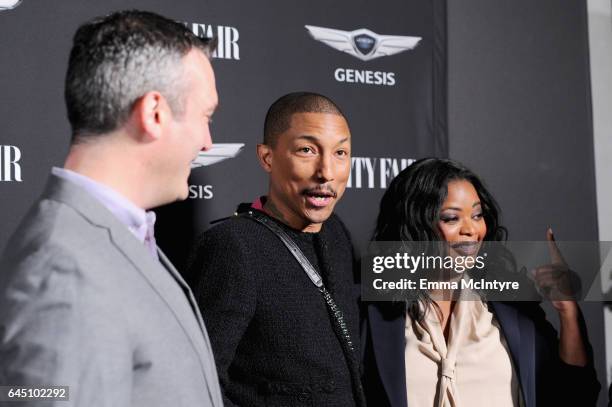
(140, 222)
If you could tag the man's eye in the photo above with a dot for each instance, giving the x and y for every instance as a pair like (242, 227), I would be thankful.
(342, 152)
(305, 150)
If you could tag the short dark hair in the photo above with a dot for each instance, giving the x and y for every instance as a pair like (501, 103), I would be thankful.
(278, 118)
(118, 58)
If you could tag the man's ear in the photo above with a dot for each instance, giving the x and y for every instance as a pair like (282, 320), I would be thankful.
(151, 113)
(264, 153)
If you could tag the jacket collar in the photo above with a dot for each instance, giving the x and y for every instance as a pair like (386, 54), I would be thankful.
(519, 332)
(388, 342)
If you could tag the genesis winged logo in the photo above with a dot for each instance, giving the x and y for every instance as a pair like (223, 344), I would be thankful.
(363, 43)
(8, 4)
(219, 152)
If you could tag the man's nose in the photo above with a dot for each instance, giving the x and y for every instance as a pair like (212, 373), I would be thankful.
(207, 142)
(325, 171)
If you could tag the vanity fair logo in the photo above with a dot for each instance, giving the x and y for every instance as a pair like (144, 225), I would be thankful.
(370, 172)
(227, 39)
(10, 170)
(364, 45)
(9, 4)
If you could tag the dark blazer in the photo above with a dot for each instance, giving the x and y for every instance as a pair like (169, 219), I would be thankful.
(270, 330)
(545, 380)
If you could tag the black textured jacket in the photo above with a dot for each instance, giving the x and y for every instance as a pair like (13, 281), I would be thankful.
(271, 334)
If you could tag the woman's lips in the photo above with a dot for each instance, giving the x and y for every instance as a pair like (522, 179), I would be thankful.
(466, 248)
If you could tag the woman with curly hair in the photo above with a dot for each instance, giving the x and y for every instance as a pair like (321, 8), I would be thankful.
(428, 351)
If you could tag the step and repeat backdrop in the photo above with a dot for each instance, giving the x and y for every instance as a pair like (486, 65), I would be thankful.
(383, 63)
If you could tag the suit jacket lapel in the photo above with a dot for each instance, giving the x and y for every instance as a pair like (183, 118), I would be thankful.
(520, 336)
(206, 358)
(181, 282)
(151, 269)
(190, 297)
(388, 342)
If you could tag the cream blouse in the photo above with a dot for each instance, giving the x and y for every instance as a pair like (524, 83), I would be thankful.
(473, 370)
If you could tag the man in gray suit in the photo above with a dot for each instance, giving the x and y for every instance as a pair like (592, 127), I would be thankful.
(87, 300)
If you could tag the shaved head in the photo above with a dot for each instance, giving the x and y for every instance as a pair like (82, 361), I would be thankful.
(278, 118)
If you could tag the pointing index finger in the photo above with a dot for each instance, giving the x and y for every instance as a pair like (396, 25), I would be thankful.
(555, 254)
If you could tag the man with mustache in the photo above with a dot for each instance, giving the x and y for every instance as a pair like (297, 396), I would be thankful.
(275, 340)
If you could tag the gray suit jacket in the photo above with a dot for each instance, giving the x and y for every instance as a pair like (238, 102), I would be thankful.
(84, 304)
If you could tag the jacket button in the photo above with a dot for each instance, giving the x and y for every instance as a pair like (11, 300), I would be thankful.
(303, 397)
(329, 387)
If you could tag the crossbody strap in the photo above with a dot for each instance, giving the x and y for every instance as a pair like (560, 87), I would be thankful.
(310, 271)
(340, 327)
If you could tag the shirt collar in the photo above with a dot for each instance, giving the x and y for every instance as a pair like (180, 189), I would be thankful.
(140, 222)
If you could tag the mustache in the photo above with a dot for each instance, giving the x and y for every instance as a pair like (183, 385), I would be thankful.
(323, 190)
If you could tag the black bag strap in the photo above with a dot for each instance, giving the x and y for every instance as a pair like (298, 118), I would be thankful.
(340, 327)
(311, 272)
